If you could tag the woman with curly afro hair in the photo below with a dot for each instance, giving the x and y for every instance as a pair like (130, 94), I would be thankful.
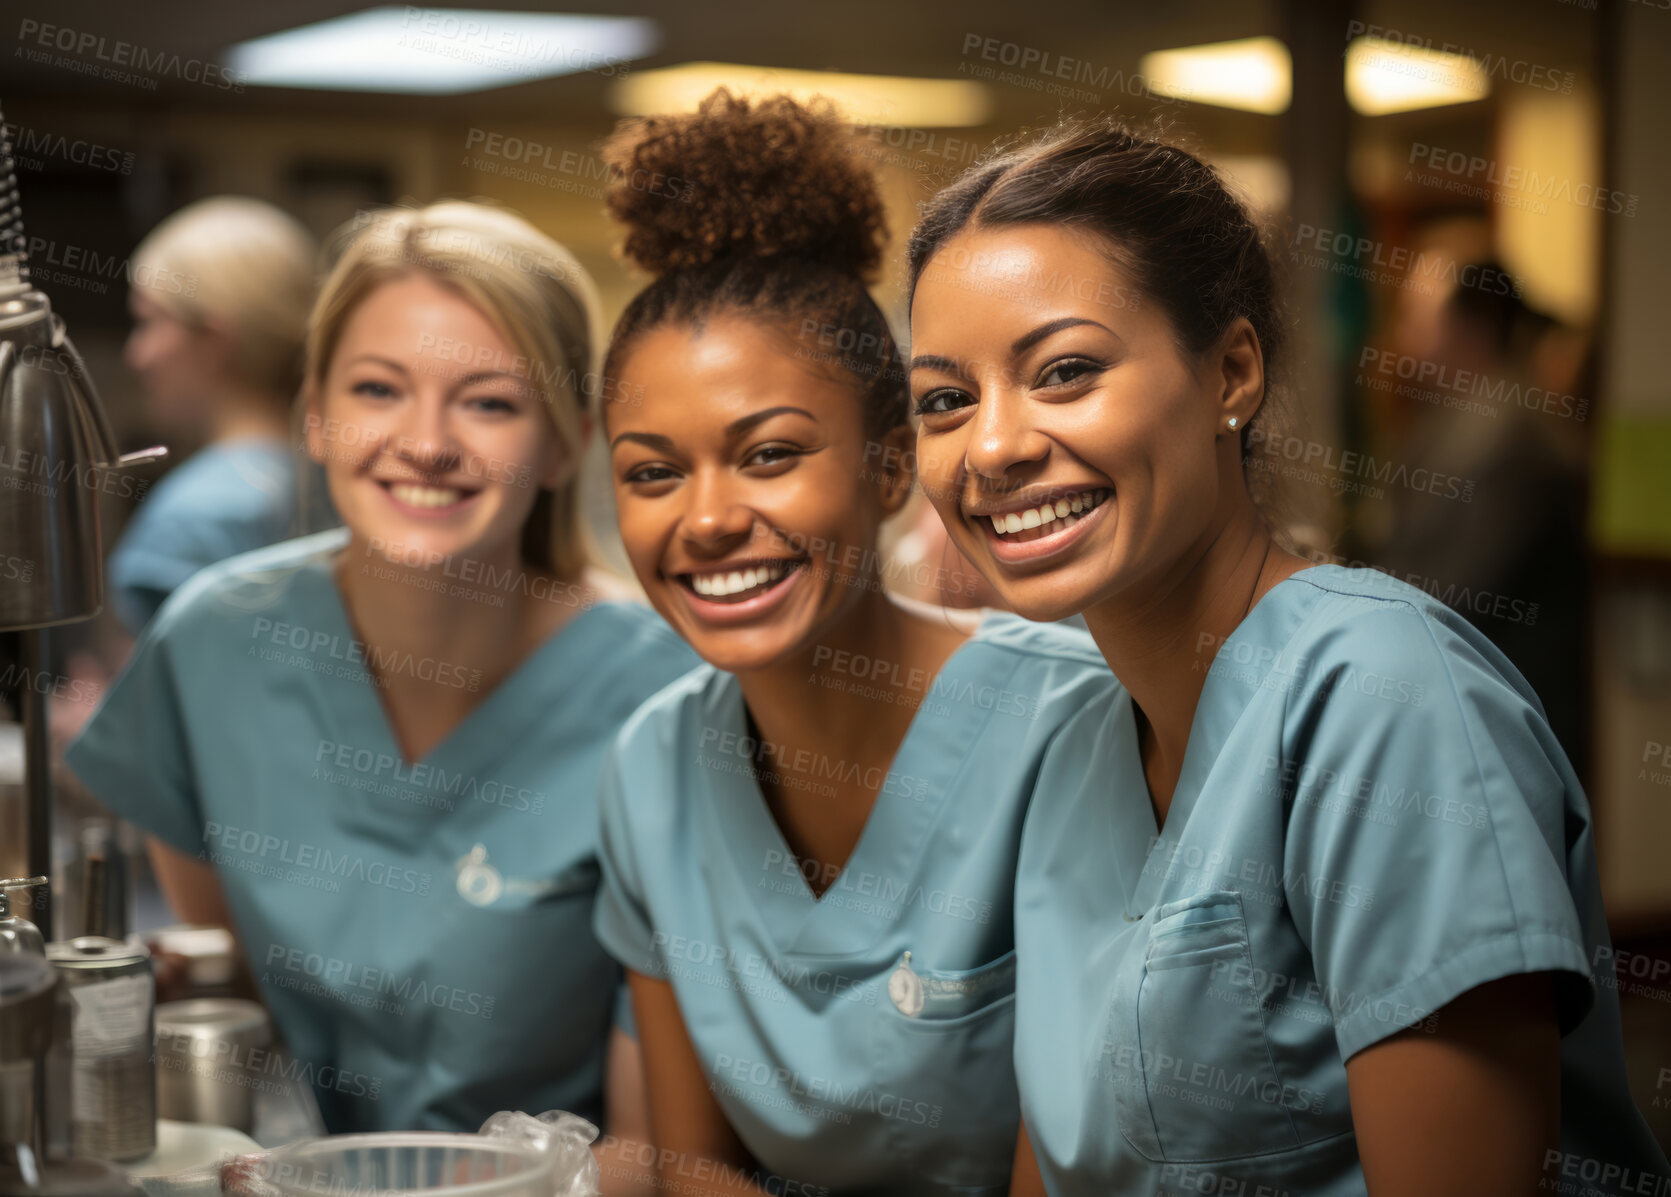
(808, 842)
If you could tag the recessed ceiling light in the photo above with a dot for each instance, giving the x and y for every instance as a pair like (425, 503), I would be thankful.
(895, 101)
(1383, 77)
(440, 51)
(1254, 74)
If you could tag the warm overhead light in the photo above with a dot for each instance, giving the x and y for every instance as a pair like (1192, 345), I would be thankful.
(1254, 74)
(439, 51)
(890, 100)
(1260, 178)
(1383, 76)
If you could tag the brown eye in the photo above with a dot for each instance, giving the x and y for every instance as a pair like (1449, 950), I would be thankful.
(1067, 370)
(941, 401)
(768, 455)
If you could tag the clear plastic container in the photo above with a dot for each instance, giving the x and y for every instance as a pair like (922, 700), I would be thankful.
(432, 1164)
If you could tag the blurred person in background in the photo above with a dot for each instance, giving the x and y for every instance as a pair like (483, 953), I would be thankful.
(1503, 415)
(220, 298)
(924, 565)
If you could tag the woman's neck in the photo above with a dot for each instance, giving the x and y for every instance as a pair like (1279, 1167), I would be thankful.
(818, 696)
(459, 646)
(1160, 639)
(827, 738)
(240, 413)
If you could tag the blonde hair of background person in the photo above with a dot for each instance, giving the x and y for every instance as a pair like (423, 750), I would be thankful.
(532, 288)
(236, 270)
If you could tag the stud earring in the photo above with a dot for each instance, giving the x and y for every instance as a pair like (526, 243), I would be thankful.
(1232, 423)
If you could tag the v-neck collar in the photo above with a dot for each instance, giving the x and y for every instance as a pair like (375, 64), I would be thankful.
(355, 703)
(854, 909)
(1140, 847)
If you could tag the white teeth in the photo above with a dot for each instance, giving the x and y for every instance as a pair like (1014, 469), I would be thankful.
(735, 582)
(1067, 509)
(425, 496)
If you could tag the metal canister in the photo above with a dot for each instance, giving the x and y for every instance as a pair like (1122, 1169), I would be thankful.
(105, 1067)
(209, 1057)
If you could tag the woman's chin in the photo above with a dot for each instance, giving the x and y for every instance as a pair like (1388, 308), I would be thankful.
(400, 544)
(740, 651)
(1047, 598)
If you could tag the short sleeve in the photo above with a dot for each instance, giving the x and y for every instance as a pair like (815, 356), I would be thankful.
(223, 501)
(1425, 851)
(142, 576)
(622, 917)
(134, 754)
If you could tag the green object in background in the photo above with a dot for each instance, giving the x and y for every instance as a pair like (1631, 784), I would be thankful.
(1631, 487)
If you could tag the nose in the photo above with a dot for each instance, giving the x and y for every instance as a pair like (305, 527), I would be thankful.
(1002, 437)
(423, 438)
(715, 519)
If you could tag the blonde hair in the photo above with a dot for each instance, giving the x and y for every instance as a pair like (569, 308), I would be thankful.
(246, 261)
(534, 292)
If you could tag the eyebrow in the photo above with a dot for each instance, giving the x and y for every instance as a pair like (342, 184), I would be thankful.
(933, 361)
(1027, 340)
(654, 440)
(390, 363)
(740, 426)
(736, 428)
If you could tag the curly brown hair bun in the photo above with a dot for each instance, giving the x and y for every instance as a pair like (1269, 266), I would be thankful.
(762, 179)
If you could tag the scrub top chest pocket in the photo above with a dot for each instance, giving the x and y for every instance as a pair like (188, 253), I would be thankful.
(1193, 1074)
(946, 1041)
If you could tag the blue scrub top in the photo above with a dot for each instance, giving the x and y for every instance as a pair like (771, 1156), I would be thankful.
(226, 499)
(420, 931)
(1373, 817)
(838, 1068)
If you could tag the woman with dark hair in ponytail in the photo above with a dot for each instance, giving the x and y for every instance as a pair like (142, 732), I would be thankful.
(1311, 904)
(808, 844)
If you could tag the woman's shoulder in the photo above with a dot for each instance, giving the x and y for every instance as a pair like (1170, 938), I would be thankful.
(1047, 659)
(236, 482)
(1385, 638)
(661, 746)
(683, 706)
(641, 643)
(279, 582)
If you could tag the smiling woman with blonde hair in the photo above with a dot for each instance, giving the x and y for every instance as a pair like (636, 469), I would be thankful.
(374, 751)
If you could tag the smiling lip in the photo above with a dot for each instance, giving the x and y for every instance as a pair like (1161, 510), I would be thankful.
(1057, 520)
(422, 500)
(738, 591)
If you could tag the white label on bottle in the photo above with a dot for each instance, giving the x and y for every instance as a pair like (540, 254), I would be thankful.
(110, 1018)
(88, 1099)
